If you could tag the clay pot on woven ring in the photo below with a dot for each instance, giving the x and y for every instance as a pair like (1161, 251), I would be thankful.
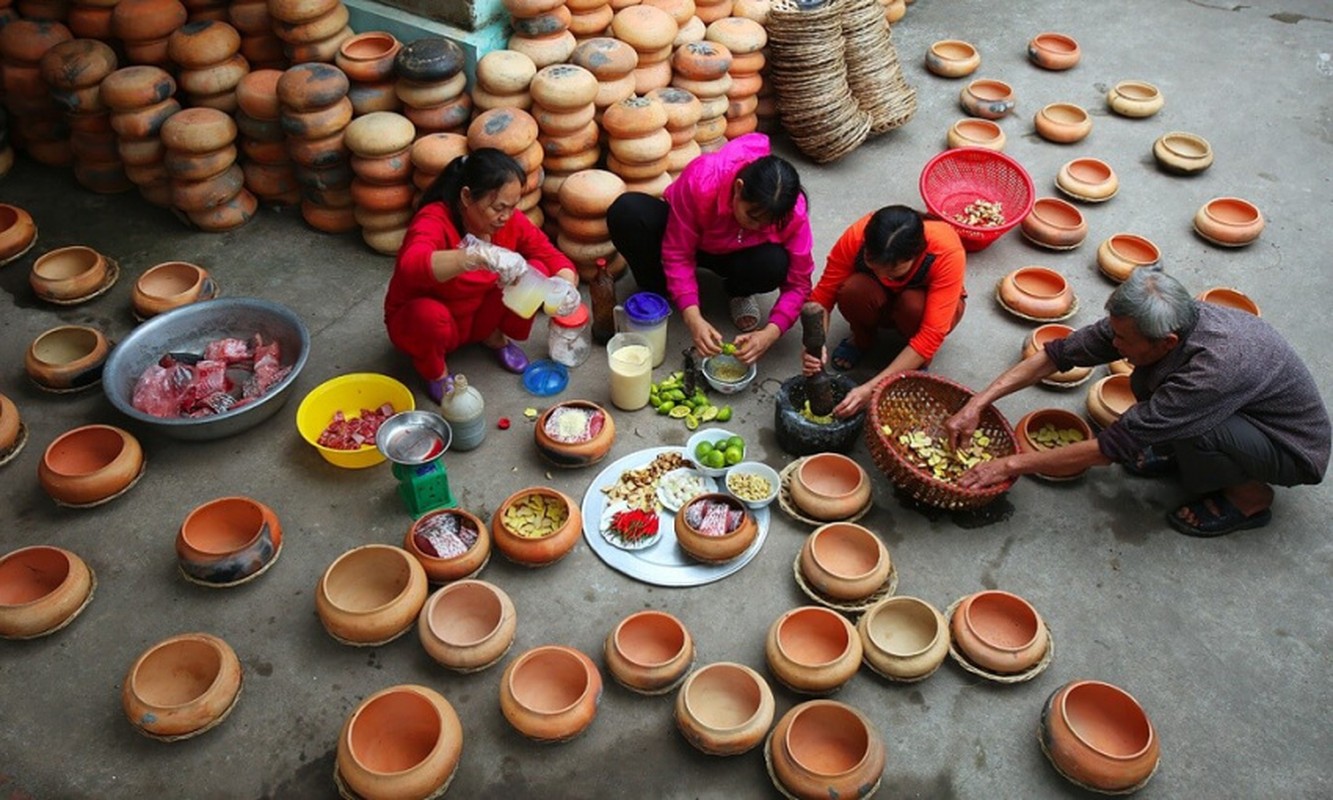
(1053, 51)
(452, 564)
(11, 426)
(90, 464)
(1229, 221)
(1038, 339)
(812, 649)
(830, 486)
(1027, 431)
(67, 358)
(1054, 224)
(999, 632)
(1217, 295)
(1135, 99)
(1108, 398)
(903, 638)
(182, 686)
(539, 549)
(649, 651)
(18, 233)
(554, 448)
(716, 548)
(42, 588)
(1120, 367)
(952, 58)
(368, 57)
(1062, 123)
(988, 98)
(845, 561)
(468, 625)
(1088, 179)
(1098, 736)
(823, 748)
(976, 132)
(1182, 153)
(403, 741)
(550, 693)
(68, 273)
(371, 595)
(1036, 292)
(169, 285)
(227, 541)
(724, 709)
(1120, 254)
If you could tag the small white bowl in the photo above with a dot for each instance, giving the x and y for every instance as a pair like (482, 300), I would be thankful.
(673, 501)
(727, 387)
(710, 435)
(755, 468)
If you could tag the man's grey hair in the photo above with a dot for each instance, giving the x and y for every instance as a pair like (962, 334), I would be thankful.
(1157, 303)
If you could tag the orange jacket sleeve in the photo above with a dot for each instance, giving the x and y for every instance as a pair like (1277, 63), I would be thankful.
(944, 289)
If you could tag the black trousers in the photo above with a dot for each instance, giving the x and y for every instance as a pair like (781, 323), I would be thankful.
(638, 223)
(1233, 453)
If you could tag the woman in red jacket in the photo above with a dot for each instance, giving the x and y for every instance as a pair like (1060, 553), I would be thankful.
(466, 241)
(891, 269)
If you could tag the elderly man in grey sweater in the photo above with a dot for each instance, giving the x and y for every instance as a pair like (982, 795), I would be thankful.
(1221, 397)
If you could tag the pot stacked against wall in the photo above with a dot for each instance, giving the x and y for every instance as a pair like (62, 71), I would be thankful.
(541, 30)
(311, 30)
(432, 85)
(745, 39)
(589, 19)
(207, 184)
(639, 143)
(209, 54)
(143, 27)
(315, 113)
(269, 171)
(259, 44)
(651, 32)
(431, 153)
(702, 70)
(502, 81)
(141, 99)
(39, 125)
(563, 107)
(74, 70)
(513, 132)
(382, 191)
(683, 113)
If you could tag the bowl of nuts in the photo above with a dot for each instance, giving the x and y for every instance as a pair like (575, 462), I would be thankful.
(754, 483)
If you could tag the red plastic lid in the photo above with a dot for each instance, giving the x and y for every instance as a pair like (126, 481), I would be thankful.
(575, 319)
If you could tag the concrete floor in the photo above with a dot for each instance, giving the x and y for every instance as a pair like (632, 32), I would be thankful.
(1225, 642)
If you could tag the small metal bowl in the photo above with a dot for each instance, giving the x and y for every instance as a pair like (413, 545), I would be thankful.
(414, 437)
(712, 363)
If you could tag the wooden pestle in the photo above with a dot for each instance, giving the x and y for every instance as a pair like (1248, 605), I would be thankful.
(819, 386)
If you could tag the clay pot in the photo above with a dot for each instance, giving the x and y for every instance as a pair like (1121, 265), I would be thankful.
(403, 741)
(976, 132)
(1048, 333)
(575, 454)
(381, 133)
(257, 94)
(464, 565)
(1110, 397)
(308, 87)
(1054, 51)
(68, 273)
(724, 709)
(845, 561)
(1120, 367)
(182, 686)
(198, 130)
(319, 123)
(67, 358)
(433, 58)
(419, 96)
(202, 43)
(1088, 179)
(1229, 221)
(505, 72)
(952, 58)
(999, 632)
(812, 649)
(716, 549)
(1054, 224)
(550, 693)
(1062, 123)
(1120, 254)
(988, 99)
(1098, 736)
(1037, 293)
(18, 233)
(537, 552)
(90, 464)
(228, 541)
(382, 197)
(144, 21)
(169, 285)
(1135, 99)
(371, 595)
(1218, 295)
(649, 652)
(11, 428)
(468, 625)
(1182, 153)
(903, 638)
(823, 748)
(830, 486)
(1026, 430)
(77, 64)
(42, 589)
(226, 216)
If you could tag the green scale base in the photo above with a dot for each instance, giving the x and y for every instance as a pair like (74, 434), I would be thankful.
(424, 487)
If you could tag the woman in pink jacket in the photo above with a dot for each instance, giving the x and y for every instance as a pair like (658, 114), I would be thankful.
(738, 212)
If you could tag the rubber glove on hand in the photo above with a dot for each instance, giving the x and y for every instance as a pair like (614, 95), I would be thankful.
(505, 263)
(568, 294)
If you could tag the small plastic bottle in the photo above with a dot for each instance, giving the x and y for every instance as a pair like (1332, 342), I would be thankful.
(465, 411)
(568, 339)
(602, 290)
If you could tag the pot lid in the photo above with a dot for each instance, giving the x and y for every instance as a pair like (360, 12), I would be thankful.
(647, 308)
(575, 319)
(545, 378)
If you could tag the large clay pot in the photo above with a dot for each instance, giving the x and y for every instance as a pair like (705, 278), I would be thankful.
(845, 561)
(1027, 430)
(1038, 339)
(1182, 153)
(1108, 398)
(1036, 293)
(543, 550)
(67, 358)
(1217, 295)
(371, 595)
(1135, 99)
(228, 541)
(581, 453)
(90, 464)
(18, 233)
(724, 709)
(1088, 179)
(198, 130)
(68, 274)
(182, 686)
(451, 568)
(202, 43)
(468, 625)
(1229, 221)
(976, 132)
(822, 748)
(903, 638)
(1120, 254)
(1062, 123)
(813, 650)
(1053, 51)
(649, 652)
(401, 742)
(999, 632)
(830, 486)
(952, 58)
(307, 87)
(988, 99)
(1098, 736)
(368, 57)
(169, 285)
(550, 693)
(42, 589)
(716, 549)
(11, 428)
(1054, 224)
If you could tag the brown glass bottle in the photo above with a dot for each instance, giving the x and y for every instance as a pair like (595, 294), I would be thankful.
(602, 290)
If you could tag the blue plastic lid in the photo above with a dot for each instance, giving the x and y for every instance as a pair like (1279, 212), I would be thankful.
(545, 378)
(647, 308)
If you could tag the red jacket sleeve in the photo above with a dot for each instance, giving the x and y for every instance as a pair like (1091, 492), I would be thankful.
(532, 244)
(431, 229)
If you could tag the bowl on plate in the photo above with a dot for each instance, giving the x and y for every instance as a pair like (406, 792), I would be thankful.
(680, 486)
(712, 436)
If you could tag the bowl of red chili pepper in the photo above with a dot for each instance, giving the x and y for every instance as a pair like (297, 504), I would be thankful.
(630, 528)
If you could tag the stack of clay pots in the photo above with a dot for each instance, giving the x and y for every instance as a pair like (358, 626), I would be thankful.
(90, 19)
(689, 28)
(209, 54)
(745, 39)
(207, 184)
(503, 77)
(141, 98)
(562, 104)
(513, 131)
(541, 30)
(683, 112)
(311, 30)
(651, 32)
(639, 143)
(701, 69)
(74, 70)
(757, 11)
(612, 62)
(710, 11)
(432, 84)
(894, 10)
(382, 191)
(589, 19)
(584, 198)
(431, 154)
(143, 27)
(259, 44)
(38, 121)
(269, 173)
(367, 60)
(315, 112)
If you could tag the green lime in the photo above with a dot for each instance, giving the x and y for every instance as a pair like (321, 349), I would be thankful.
(665, 405)
(680, 412)
(675, 394)
(703, 448)
(708, 414)
(733, 456)
(691, 422)
(714, 459)
(728, 349)
(736, 442)
(724, 414)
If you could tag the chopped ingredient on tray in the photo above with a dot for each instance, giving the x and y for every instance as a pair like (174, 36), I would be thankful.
(713, 517)
(634, 525)
(982, 213)
(749, 486)
(172, 388)
(680, 487)
(536, 516)
(353, 433)
(569, 424)
(638, 487)
(445, 536)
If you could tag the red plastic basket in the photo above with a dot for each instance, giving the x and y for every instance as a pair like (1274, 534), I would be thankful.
(957, 177)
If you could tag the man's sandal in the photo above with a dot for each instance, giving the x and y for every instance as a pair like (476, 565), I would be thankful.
(1215, 515)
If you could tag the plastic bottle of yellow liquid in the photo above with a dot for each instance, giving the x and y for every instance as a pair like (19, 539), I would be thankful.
(531, 292)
